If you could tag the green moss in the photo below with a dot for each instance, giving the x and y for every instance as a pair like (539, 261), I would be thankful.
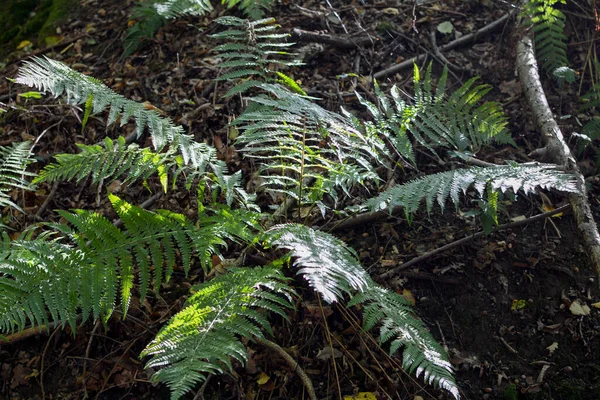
(58, 11)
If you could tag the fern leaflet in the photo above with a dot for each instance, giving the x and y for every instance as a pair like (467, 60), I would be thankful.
(13, 162)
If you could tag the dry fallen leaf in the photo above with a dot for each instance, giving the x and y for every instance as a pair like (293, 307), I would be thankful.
(552, 347)
(577, 308)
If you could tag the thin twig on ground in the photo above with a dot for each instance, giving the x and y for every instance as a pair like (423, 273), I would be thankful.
(456, 43)
(336, 41)
(456, 243)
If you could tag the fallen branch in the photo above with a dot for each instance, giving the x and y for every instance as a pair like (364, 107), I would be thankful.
(336, 41)
(555, 147)
(456, 43)
(456, 243)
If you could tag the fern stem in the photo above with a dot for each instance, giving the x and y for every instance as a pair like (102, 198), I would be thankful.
(292, 363)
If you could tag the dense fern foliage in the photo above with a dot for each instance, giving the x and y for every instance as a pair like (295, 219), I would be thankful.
(87, 266)
(83, 264)
(550, 41)
(13, 163)
(328, 264)
(203, 338)
(457, 122)
(306, 151)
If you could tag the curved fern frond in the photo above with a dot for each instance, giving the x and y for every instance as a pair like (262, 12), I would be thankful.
(328, 264)
(306, 151)
(458, 122)
(57, 78)
(83, 269)
(203, 337)
(451, 184)
(422, 355)
(13, 162)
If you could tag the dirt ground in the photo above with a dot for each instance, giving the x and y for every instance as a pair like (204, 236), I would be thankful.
(502, 304)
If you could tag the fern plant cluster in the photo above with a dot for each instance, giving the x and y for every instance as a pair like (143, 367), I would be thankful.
(86, 266)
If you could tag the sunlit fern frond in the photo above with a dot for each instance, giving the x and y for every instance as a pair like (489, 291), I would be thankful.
(328, 264)
(452, 184)
(204, 337)
(306, 151)
(459, 121)
(253, 52)
(13, 163)
(114, 160)
(92, 265)
(421, 354)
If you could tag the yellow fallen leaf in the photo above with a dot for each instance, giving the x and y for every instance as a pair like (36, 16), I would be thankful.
(263, 378)
(408, 296)
(24, 44)
(391, 11)
(361, 396)
(597, 305)
(552, 347)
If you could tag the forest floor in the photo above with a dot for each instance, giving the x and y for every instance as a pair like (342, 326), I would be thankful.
(501, 304)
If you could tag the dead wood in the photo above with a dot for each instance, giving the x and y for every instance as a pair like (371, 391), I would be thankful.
(555, 147)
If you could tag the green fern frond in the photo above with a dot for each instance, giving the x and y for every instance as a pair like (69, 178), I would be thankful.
(550, 41)
(451, 184)
(328, 264)
(13, 162)
(421, 353)
(458, 122)
(57, 78)
(249, 54)
(85, 268)
(113, 160)
(306, 151)
(203, 337)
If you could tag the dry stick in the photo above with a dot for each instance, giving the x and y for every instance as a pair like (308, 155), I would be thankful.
(336, 41)
(408, 264)
(458, 42)
(555, 148)
(292, 363)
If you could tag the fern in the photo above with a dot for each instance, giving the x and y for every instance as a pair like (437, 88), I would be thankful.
(422, 355)
(150, 16)
(328, 264)
(83, 268)
(252, 51)
(550, 41)
(306, 151)
(13, 162)
(204, 337)
(333, 270)
(450, 184)
(455, 122)
(113, 160)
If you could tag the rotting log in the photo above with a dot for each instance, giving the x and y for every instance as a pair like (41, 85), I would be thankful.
(555, 148)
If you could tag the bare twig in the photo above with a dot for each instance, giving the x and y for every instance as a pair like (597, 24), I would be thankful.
(456, 243)
(456, 43)
(336, 41)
